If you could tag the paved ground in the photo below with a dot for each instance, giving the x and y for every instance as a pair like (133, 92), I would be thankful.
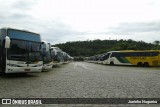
(84, 80)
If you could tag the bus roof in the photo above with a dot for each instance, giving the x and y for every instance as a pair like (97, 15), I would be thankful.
(112, 51)
(8, 28)
(138, 50)
(134, 51)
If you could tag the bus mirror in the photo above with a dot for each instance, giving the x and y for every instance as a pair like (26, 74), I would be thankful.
(7, 42)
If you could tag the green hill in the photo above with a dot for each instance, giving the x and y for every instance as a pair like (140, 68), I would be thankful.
(94, 47)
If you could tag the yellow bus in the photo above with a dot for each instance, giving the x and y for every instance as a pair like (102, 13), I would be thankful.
(131, 57)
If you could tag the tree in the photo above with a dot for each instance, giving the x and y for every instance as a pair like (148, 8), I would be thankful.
(156, 42)
(95, 47)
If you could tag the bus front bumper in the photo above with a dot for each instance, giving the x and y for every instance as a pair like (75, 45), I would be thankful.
(23, 69)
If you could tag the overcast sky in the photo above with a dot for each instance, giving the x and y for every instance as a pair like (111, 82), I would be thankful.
(59, 21)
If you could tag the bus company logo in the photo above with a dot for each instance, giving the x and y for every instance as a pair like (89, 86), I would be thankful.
(6, 101)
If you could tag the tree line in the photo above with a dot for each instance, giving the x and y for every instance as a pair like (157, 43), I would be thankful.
(95, 47)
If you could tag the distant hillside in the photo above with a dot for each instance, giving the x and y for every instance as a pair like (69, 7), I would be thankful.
(94, 47)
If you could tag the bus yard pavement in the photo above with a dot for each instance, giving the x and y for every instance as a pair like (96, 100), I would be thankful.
(84, 80)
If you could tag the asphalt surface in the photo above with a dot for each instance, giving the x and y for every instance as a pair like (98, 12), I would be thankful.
(84, 80)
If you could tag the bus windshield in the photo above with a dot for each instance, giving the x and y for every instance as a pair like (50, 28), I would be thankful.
(47, 57)
(23, 35)
(24, 51)
(18, 50)
(34, 51)
(25, 46)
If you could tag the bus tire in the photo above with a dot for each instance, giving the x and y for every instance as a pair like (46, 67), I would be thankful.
(2, 73)
(112, 63)
(146, 64)
(139, 64)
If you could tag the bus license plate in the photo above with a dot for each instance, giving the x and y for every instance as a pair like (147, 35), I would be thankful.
(27, 69)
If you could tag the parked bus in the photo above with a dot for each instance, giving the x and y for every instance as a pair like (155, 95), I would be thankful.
(46, 55)
(66, 57)
(57, 56)
(19, 51)
(139, 58)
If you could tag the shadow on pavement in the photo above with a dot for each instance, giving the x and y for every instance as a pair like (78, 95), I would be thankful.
(18, 75)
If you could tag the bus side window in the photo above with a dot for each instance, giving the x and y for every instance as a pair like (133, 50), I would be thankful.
(113, 54)
(118, 54)
(154, 53)
(146, 54)
(143, 53)
(139, 54)
(133, 54)
(126, 54)
(106, 56)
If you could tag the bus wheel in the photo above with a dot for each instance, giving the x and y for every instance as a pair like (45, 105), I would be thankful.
(111, 63)
(2, 73)
(139, 64)
(146, 64)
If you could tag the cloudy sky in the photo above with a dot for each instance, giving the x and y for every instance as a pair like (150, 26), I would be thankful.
(59, 21)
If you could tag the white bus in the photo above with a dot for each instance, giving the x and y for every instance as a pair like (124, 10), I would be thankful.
(57, 56)
(66, 57)
(143, 58)
(46, 54)
(20, 51)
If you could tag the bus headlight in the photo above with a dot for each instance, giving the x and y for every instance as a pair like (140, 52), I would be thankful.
(38, 65)
(13, 65)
